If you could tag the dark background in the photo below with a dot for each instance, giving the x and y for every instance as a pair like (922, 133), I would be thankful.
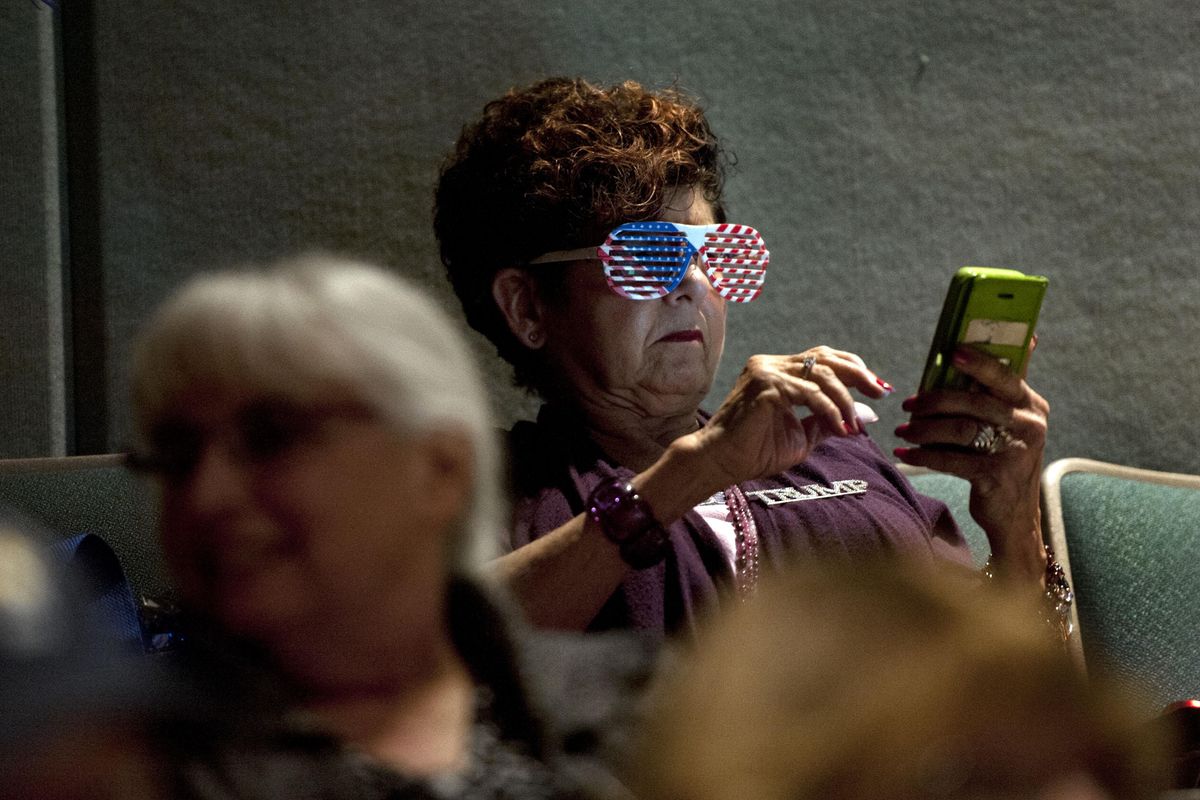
(881, 144)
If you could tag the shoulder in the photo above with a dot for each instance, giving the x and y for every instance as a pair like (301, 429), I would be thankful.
(570, 700)
(590, 679)
(594, 686)
(553, 468)
(542, 452)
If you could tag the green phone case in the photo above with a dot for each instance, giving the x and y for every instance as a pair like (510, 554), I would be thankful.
(995, 310)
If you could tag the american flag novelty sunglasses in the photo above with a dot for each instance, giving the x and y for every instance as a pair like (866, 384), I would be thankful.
(645, 260)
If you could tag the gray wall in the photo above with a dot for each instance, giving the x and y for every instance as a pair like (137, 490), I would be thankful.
(881, 144)
(33, 415)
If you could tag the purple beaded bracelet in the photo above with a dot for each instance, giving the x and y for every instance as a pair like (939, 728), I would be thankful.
(626, 520)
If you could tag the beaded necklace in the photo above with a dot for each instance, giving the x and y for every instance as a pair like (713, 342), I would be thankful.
(746, 542)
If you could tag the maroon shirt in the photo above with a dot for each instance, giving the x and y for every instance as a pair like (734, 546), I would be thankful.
(845, 501)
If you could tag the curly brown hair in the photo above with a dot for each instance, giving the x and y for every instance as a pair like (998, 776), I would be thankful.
(556, 166)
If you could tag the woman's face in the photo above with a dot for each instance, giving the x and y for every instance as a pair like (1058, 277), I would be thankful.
(283, 519)
(653, 357)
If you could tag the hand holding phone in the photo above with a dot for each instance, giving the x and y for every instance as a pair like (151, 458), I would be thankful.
(994, 310)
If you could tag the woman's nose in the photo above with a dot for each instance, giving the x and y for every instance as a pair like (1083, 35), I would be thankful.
(695, 282)
(217, 483)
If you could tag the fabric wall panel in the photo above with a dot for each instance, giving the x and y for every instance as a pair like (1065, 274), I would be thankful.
(881, 144)
(32, 345)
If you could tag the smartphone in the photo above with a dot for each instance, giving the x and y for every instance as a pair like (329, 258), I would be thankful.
(992, 309)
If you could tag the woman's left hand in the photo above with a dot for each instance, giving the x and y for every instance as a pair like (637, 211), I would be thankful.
(951, 430)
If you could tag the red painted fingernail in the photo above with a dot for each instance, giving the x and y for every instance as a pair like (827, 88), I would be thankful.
(961, 356)
(887, 387)
(846, 427)
(901, 429)
(908, 403)
(901, 453)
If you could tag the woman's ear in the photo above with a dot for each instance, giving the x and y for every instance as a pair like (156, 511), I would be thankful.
(516, 295)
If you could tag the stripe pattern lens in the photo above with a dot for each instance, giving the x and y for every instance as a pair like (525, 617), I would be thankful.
(645, 260)
(735, 260)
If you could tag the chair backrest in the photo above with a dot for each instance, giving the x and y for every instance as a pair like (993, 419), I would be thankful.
(92, 494)
(955, 492)
(1129, 540)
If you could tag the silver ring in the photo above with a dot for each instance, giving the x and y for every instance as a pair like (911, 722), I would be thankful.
(991, 439)
(807, 368)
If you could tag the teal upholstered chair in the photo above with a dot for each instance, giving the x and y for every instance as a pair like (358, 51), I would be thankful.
(956, 494)
(1129, 540)
(91, 494)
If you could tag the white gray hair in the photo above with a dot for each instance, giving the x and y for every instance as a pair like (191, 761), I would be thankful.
(298, 328)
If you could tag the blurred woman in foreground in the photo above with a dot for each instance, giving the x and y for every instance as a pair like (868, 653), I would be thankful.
(324, 453)
(889, 681)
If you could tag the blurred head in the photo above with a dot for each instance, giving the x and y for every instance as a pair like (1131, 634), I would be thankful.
(888, 682)
(556, 166)
(323, 442)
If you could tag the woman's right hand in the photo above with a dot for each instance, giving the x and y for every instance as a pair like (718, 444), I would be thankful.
(757, 431)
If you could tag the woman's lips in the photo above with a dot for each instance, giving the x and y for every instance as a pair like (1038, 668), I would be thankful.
(692, 335)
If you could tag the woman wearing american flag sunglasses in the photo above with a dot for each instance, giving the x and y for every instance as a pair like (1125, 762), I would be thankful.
(584, 231)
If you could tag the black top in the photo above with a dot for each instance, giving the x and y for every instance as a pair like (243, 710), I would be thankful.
(254, 745)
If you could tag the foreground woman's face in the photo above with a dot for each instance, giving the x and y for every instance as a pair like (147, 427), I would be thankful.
(281, 518)
(654, 356)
